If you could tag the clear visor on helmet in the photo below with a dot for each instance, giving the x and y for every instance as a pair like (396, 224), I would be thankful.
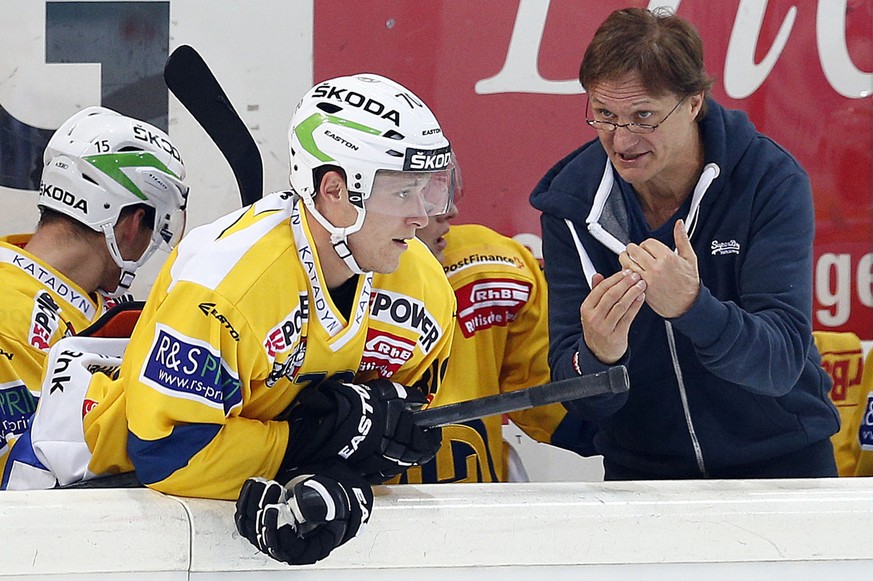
(411, 193)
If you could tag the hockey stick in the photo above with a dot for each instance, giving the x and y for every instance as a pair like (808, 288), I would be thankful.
(189, 78)
(614, 380)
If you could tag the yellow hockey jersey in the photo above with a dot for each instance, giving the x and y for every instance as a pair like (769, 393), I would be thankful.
(40, 305)
(843, 358)
(239, 321)
(500, 344)
(862, 423)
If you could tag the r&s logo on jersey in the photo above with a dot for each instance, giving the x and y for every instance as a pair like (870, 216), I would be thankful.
(184, 367)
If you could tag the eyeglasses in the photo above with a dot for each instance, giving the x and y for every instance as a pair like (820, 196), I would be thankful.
(610, 127)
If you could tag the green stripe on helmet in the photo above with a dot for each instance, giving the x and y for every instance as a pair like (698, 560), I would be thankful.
(305, 129)
(113, 164)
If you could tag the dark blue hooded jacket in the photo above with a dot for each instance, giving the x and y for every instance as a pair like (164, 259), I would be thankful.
(737, 379)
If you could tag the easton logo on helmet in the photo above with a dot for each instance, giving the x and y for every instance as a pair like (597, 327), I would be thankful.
(358, 100)
(427, 159)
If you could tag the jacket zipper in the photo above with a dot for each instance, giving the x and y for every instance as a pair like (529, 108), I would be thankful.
(698, 451)
(710, 172)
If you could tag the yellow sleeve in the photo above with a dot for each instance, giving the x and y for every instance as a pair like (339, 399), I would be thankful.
(20, 380)
(842, 358)
(189, 373)
(20, 367)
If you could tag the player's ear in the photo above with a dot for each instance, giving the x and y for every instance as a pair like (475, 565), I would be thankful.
(129, 224)
(333, 186)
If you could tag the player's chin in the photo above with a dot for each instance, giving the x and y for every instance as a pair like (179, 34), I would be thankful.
(388, 262)
(385, 267)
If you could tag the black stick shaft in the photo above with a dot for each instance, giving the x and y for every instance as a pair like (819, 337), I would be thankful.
(189, 78)
(614, 380)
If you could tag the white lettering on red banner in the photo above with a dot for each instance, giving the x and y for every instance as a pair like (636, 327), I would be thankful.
(385, 353)
(488, 303)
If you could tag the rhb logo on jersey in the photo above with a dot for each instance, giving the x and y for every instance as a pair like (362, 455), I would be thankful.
(487, 303)
(845, 368)
(407, 313)
(427, 159)
(183, 367)
(44, 321)
(385, 353)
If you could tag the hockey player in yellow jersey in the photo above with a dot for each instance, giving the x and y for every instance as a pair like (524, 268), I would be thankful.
(107, 178)
(858, 460)
(500, 344)
(290, 341)
(284, 346)
(247, 315)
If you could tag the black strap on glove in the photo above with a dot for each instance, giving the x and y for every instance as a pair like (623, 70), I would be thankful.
(368, 424)
(316, 510)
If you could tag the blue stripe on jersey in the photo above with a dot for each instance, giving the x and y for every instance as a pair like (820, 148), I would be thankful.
(156, 460)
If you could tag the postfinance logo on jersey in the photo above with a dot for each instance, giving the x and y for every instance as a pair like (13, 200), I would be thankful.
(187, 368)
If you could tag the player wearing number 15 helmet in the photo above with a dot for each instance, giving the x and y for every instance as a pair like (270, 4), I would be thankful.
(111, 193)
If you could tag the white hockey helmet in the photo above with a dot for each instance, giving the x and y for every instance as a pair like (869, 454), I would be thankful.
(375, 130)
(99, 162)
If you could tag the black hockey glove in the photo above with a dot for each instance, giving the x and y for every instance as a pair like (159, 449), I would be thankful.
(318, 509)
(368, 424)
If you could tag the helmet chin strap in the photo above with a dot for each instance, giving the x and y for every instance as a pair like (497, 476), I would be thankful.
(128, 267)
(339, 237)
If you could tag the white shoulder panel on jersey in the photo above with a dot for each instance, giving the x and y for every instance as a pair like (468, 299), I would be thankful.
(205, 260)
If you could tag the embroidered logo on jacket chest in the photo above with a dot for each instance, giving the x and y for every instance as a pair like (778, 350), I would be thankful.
(729, 247)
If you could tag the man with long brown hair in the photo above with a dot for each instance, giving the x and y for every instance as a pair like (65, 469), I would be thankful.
(679, 243)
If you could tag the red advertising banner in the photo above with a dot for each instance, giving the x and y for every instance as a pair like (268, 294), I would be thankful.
(501, 77)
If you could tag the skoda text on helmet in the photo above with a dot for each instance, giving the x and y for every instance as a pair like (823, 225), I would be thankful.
(387, 141)
(100, 162)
